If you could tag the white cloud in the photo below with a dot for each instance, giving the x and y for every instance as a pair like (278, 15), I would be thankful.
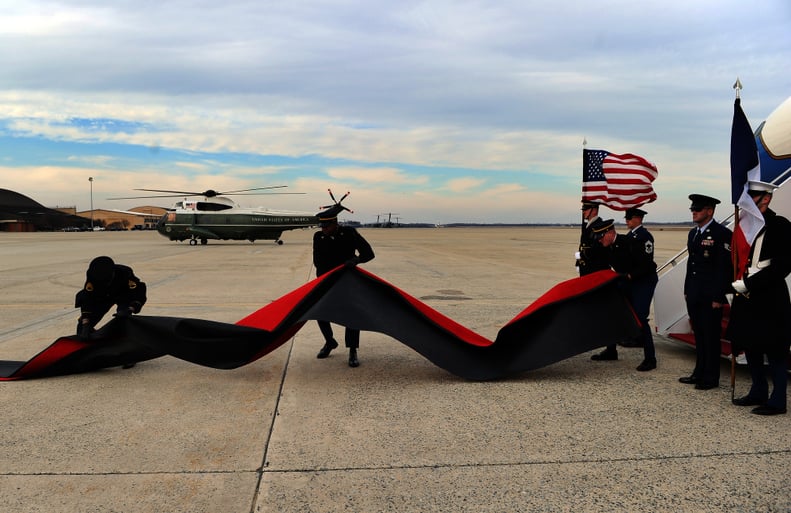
(376, 175)
(464, 184)
(482, 99)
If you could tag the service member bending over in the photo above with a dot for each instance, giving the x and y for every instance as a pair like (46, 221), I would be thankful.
(107, 284)
(633, 258)
(591, 257)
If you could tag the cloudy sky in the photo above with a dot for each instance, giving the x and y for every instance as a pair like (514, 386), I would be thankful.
(437, 111)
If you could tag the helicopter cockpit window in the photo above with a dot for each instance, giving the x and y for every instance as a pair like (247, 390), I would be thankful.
(208, 206)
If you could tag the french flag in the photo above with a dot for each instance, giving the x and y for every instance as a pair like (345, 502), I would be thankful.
(745, 166)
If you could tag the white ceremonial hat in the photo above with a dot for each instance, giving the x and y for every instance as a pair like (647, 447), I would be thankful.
(759, 186)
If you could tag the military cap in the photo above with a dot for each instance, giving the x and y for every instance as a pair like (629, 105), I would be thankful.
(329, 216)
(759, 187)
(634, 212)
(701, 200)
(589, 204)
(600, 227)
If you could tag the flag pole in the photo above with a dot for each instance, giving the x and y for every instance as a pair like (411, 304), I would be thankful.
(734, 261)
(582, 212)
(584, 145)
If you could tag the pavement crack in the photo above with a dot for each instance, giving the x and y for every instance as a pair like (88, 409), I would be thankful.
(531, 463)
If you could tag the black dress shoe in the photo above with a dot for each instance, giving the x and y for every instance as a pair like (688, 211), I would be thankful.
(327, 349)
(768, 410)
(605, 355)
(748, 401)
(688, 380)
(706, 386)
(647, 365)
(128, 365)
(353, 361)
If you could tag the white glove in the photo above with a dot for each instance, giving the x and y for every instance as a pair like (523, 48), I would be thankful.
(739, 286)
(577, 255)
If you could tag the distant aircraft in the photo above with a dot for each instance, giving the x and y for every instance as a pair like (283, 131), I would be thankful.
(218, 217)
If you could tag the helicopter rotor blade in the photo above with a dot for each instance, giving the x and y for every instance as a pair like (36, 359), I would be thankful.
(254, 189)
(257, 193)
(331, 196)
(209, 193)
(157, 196)
(188, 193)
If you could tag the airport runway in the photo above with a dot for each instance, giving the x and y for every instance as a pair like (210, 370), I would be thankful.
(291, 433)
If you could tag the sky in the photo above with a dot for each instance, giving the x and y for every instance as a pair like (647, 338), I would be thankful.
(431, 111)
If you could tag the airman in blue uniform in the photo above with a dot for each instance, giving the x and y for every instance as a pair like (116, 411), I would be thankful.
(708, 278)
(632, 257)
(642, 282)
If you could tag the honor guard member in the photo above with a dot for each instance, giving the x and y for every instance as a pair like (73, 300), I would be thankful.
(642, 281)
(107, 284)
(591, 257)
(600, 247)
(333, 246)
(633, 259)
(760, 319)
(708, 278)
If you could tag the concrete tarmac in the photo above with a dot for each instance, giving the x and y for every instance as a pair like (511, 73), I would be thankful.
(291, 433)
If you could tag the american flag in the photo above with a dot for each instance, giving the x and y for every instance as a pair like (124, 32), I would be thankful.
(618, 181)
(745, 166)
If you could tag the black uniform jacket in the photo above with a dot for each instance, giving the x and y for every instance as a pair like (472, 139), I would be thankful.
(124, 290)
(330, 251)
(593, 256)
(761, 319)
(632, 256)
(709, 268)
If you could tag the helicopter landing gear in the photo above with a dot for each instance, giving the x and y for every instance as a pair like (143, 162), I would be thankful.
(193, 242)
(279, 242)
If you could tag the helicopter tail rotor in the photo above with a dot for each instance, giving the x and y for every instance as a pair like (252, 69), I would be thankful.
(337, 203)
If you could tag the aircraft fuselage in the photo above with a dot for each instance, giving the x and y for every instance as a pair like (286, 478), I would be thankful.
(231, 224)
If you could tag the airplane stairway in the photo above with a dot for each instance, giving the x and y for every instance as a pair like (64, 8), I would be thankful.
(725, 344)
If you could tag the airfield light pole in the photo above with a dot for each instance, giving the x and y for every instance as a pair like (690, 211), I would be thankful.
(90, 179)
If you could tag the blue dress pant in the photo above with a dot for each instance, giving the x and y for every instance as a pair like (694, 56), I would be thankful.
(641, 294)
(707, 325)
